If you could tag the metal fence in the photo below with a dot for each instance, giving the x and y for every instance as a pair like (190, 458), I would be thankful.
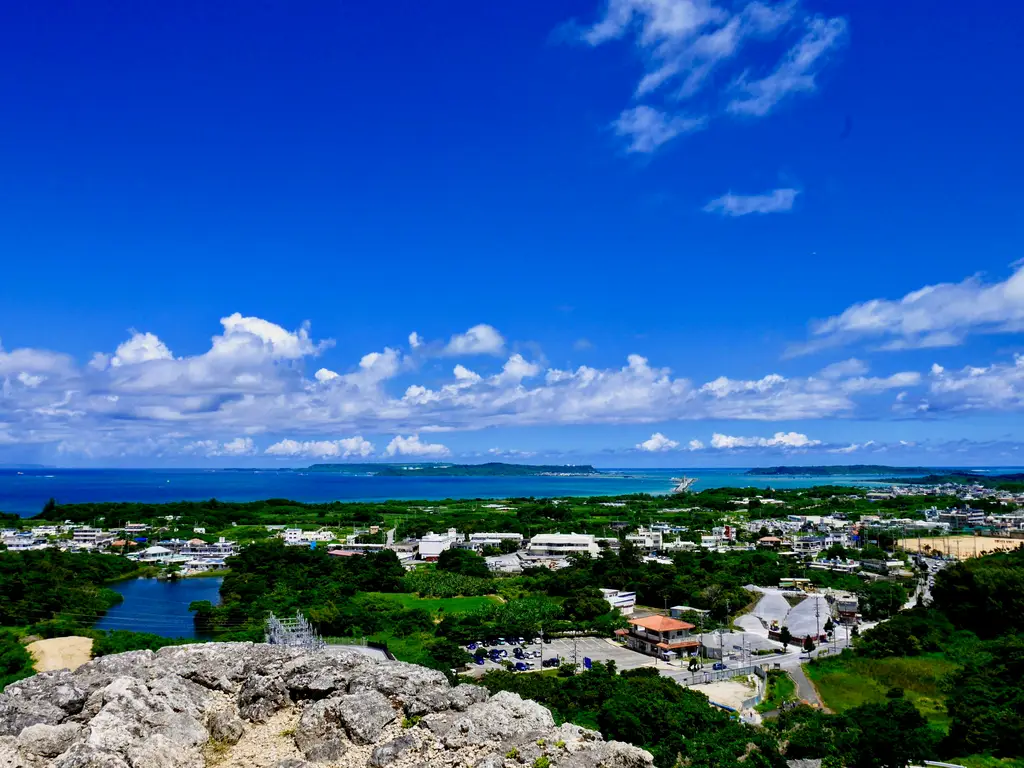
(296, 632)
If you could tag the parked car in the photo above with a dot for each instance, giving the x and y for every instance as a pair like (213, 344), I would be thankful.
(471, 647)
(479, 660)
(520, 667)
(718, 665)
(501, 641)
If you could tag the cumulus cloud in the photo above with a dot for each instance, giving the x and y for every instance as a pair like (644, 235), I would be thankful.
(140, 348)
(776, 201)
(411, 446)
(997, 387)
(657, 443)
(795, 73)
(344, 448)
(695, 445)
(784, 440)
(479, 340)
(940, 315)
(239, 446)
(646, 128)
(415, 341)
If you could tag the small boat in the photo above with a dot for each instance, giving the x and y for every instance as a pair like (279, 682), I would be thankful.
(683, 484)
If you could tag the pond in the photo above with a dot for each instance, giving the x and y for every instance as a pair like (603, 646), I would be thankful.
(160, 607)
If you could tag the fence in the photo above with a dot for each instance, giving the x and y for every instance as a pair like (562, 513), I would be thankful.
(296, 633)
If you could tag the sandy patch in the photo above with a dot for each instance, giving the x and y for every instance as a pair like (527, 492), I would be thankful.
(727, 692)
(60, 653)
(961, 547)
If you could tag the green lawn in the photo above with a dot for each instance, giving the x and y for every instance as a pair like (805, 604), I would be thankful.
(987, 761)
(848, 681)
(436, 604)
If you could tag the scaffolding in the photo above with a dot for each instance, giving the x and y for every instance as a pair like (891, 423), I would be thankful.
(296, 632)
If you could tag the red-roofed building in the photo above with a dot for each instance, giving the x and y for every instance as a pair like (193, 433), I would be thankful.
(661, 636)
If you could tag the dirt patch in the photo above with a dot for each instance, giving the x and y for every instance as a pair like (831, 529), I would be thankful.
(731, 693)
(60, 653)
(960, 547)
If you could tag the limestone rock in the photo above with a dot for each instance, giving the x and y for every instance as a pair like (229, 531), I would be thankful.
(261, 706)
(48, 740)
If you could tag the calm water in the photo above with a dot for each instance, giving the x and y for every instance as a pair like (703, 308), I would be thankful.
(160, 607)
(26, 492)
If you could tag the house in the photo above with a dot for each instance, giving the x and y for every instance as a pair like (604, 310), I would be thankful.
(623, 601)
(661, 636)
(769, 542)
(296, 537)
(545, 545)
(433, 544)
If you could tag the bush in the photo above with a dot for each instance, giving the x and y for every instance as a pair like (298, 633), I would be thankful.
(122, 640)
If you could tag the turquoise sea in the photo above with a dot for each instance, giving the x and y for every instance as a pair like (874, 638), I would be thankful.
(25, 492)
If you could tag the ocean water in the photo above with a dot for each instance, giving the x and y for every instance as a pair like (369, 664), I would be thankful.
(25, 492)
(159, 607)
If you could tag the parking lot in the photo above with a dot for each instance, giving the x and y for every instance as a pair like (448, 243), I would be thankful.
(567, 650)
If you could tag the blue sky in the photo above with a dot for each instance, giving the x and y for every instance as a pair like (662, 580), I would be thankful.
(650, 232)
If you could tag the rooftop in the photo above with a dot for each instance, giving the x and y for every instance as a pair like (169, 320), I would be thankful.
(660, 623)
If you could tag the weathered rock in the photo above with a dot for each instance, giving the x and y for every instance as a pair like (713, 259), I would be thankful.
(261, 696)
(387, 753)
(225, 726)
(87, 756)
(48, 740)
(163, 710)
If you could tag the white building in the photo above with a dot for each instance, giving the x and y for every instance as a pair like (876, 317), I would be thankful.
(625, 602)
(561, 544)
(297, 537)
(433, 544)
(481, 540)
(646, 539)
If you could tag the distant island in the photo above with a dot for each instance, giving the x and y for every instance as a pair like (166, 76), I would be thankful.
(491, 469)
(1011, 482)
(842, 470)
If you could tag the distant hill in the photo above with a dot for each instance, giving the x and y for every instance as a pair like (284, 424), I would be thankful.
(1012, 482)
(492, 469)
(842, 470)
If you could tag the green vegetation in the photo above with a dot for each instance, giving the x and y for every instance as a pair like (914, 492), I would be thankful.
(119, 641)
(58, 592)
(15, 661)
(849, 681)
(435, 605)
(781, 690)
(1010, 482)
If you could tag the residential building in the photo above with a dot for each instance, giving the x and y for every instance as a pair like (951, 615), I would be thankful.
(646, 539)
(433, 544)
(297, 537)
(962, 518)
(561, 544)
(661, 636)
(623, 601)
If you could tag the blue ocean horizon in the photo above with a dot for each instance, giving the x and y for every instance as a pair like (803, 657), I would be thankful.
(24, 492)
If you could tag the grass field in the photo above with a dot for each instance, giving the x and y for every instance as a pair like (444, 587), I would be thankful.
(781, 689)
(986, 761)
(436, 604)
(848, 681)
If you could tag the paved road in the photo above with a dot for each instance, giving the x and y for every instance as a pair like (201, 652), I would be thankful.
(804, 690)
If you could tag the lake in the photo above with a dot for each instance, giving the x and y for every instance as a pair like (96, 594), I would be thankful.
(160, 607)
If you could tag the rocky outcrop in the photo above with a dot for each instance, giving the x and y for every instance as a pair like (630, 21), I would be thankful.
(242, 704)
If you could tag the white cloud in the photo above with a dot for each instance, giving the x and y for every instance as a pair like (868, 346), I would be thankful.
(695, 445)
(647, 128)
(140, 348)
(853, 447)
(844, 369)
(784, 440)
(411, 446)
(239, 446)
(997, 387)
(415, 341)
(479, 340)
(657, 443)
(462, 373)
(344, 448)
(517, 368)
(776, 201)
(940, 315)
(795, 72)
(324, 375)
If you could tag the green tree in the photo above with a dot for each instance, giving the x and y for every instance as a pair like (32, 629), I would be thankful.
(464, 562)
(881, 599)
(808, 644)
(889, 735)
(785, 637)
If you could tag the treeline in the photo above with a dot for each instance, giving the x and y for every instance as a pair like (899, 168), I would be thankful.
(50, 587)
(976, 618)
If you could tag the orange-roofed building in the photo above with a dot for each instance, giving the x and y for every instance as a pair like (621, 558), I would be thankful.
(662, 636)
